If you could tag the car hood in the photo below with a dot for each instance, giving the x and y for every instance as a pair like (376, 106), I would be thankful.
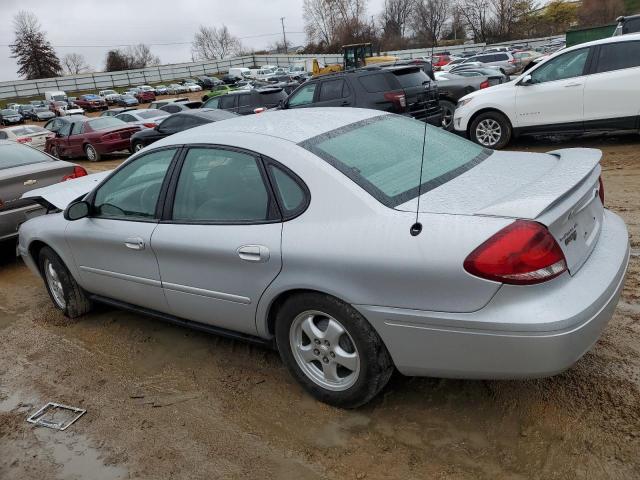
(511, 184)
(62, 194)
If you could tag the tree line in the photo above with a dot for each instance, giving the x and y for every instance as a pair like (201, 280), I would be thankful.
(329, 24)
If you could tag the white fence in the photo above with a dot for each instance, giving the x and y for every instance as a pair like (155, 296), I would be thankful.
(168, 73)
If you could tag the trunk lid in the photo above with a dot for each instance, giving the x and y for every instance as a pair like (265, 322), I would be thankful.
(62, 194)
(558, 189)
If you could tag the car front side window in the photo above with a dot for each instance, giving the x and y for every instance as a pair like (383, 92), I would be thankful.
(133, 191)
(568, 65)
(304, 96)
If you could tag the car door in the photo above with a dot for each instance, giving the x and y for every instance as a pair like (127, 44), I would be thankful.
(218, 245)
(230, 103)
(304, 96)
(611, 99)
(112, 247)
(75, 141)
(61, 140)
(245, 106)
(554, 98)
(334, 93)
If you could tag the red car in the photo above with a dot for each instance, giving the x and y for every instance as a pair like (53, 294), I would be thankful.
(439, 61)
(90, 138)
(145, 96)
(91, 103)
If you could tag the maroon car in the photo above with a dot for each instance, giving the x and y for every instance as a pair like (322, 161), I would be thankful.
(91, 103)
(90, 138)
(145, 96)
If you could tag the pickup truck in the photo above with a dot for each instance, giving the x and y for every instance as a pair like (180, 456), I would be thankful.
(91, 103)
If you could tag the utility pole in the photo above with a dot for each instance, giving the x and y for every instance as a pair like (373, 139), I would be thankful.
(284, 36)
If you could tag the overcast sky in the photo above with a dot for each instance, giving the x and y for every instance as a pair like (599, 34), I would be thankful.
(70, 24)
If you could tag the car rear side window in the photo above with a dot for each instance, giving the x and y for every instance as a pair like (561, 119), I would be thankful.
(16, 155)
(331, 90)
(227, 101)
(500, 57)
(77, 128)
(212, 103)
(411, 77)
(390, 170)
(292, 196)
(272, 98)
(304, 95)
(244, 100)
(378, 82)
(618, 56)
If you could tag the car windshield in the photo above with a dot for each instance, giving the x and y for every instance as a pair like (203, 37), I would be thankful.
(390, 171)
(16, 155)
(102, 123)
(42, 109)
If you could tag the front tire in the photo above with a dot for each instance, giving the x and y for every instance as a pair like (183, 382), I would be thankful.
(66, 295)
(332, 350)
(137, 146)
(92, 154)
(491, 130)
(448, 109)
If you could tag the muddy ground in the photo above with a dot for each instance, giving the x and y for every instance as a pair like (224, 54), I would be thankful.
(164, 402)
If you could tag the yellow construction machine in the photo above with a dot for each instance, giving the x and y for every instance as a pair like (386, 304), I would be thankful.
(353, 56)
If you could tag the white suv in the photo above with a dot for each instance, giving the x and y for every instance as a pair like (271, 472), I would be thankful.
(590, 87)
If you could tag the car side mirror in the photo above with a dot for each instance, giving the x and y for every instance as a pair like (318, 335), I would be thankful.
(526, 81)
(77, 210)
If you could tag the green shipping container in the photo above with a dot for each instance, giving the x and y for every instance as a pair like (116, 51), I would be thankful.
(576, 37)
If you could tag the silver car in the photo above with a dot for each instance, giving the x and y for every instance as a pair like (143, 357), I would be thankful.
(503, 60)
(327, 234)
(143, 117)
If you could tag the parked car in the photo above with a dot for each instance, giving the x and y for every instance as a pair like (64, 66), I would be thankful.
(91, 103)
(208, 82)
(10, 117)
(41, 114)
(22, 169)
(116, 111)
(64, 108)
(91, 138)
(25, 111)
(404, 89)
(452, 63)
(145, 96)
(585, 88)
(109, 96)
(31, 135)
(495, 75)
(177, 123)
(191, 86)
(277, 239)
(176, 89)
(246, 102)
(504, 60)
(38, 103)
(524, 58)
(628, 24)
(216, 91)
(127, 101)
(175, 107)
(227, 80)
(240, 73)
(161, 90)
(144, 117)
(439, 61)
(167, 101)
(55, 124)
(453, 87)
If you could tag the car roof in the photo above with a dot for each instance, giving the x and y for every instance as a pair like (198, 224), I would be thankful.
(630, 37)
(207, 113)
(296, 125)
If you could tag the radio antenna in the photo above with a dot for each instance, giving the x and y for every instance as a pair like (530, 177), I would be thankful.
(416, 228)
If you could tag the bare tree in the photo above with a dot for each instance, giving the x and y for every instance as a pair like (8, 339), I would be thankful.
(477, 16)
(140, 56)
(395, 16)
(329, 22)
(210, 43)
(430, 18)
(75, 63)
(35, 56)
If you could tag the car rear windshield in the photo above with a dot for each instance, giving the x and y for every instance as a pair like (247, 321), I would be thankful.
(152, 113)
(29, 130)
(383, 155)
(411, 77)
(103, 123)
(16, 155)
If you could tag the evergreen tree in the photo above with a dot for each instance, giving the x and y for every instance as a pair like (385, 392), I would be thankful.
(35, 56)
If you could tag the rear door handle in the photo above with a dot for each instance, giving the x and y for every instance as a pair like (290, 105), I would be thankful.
(345, 103)
(571, 85)
(254, 253)
(134, 243)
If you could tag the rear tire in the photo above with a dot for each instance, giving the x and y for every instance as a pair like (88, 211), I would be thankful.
(345, 364)
(491, 130)
(448, 109)
(136, 147)
(92, 154)
(66, 295)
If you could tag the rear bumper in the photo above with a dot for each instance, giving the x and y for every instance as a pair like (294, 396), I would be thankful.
(523, 332)
(10, 220)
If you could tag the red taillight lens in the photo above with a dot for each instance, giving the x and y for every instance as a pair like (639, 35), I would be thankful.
(259, 110)
(24, 140)
(77, 172)
(523, 253)
(150, 125)
(485, 84)
(512, 61)
(601, 190)
(397, 98)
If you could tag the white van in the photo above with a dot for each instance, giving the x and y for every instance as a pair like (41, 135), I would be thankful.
(239, 72)
(591, 87)
(55, 96)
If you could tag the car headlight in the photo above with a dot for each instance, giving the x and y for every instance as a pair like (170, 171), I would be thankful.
(463, 102)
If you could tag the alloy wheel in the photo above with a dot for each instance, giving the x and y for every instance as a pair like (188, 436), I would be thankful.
(488, 132)
(447, 118)
(324, 350)
(91, 153)
(54, 283)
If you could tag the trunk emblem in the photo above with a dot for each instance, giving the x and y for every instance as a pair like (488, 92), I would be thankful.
(570, 236)
(30, 182)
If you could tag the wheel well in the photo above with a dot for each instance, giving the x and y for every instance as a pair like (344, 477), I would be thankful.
(279, 301)
(486, 110)
(34, 251)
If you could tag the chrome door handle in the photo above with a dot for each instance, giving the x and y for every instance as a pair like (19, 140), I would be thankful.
(134, 243)
(254, 253)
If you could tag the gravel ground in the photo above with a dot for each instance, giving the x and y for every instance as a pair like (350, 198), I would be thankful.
(164, 402)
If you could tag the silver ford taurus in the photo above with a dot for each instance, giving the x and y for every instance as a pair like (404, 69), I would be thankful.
(340, 238)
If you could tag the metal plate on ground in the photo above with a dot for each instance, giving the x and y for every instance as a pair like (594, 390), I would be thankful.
(56, 416)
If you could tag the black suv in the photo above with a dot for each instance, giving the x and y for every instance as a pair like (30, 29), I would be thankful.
(246, 102)
(402, 89)
(630, 24)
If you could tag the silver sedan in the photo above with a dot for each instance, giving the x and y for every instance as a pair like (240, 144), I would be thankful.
(353, 241)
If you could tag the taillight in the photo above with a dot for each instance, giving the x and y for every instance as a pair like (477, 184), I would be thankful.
(24, 140)
(485, 84)
(397, 98)
(601, 190)
(259, 110)
(150, 125)
(512, 61)
(523, 253)
(77, 172)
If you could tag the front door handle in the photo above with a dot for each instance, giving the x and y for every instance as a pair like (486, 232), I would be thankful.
(254, 253)
(572, 85)
(134, 243)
